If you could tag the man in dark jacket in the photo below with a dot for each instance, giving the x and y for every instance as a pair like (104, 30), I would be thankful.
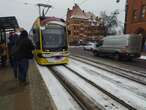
(23, 52)
(11, 46)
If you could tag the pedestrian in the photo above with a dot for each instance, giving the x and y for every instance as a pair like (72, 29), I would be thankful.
(23, 52)
(13, 37)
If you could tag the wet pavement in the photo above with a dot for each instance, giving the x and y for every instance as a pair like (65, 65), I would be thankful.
(28, 97)
(12, 95)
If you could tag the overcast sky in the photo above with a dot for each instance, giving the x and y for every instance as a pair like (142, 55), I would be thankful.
(26, 14)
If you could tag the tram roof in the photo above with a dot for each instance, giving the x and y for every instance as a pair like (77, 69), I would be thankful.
(48, 19)
(8, 22)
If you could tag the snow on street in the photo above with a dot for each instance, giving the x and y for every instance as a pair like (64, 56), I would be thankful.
(89, 90)
(117, 80)
(85, 81)
(61, 98)
(129, 97)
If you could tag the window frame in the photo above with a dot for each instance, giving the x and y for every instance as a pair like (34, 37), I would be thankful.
(134, 14)
(143, 12)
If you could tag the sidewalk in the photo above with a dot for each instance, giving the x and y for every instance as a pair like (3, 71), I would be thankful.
(31, 97)
(12, 96)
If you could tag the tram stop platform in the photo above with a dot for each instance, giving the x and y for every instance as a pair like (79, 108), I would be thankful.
(33, 96)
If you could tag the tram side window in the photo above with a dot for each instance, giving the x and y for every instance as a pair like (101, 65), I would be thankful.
(36, 38)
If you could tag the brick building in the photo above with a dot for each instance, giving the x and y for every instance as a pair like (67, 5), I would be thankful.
(83, 26)
(135, 21)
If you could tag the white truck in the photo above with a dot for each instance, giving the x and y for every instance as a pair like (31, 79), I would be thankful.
(120, 46)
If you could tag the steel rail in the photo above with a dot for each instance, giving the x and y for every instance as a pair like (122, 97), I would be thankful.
(62, 81)
(60, 98)
(143, 74)
(83, 101)
(136, 65)
(130, 75)
(103, 90)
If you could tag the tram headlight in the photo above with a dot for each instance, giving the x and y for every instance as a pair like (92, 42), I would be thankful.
(45, 55)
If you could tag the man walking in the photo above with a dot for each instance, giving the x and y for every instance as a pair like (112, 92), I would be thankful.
(23, 52)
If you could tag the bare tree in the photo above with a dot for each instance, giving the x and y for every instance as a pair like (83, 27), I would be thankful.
(117, 1)
(109, 22)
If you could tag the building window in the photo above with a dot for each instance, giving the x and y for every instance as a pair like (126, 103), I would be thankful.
(74, 27)
(135, 14)
(143, 11)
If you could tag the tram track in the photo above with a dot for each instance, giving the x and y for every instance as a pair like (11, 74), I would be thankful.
(117, 80)
(59, 97)
(125, 97)
(140, 63)
(67, 94)
(93, 97)
(140, 73)
(132, 75)
(104, 91)
(65, 85)
(90, 95)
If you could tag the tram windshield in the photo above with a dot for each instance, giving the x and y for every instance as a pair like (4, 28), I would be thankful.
(54, 37)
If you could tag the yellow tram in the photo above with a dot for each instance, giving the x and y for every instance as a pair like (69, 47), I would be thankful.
(49, 35)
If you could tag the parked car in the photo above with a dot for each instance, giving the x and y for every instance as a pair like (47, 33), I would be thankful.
(122, 46)
(90, 46)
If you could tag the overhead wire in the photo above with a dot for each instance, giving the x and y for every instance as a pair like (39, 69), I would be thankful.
(27, 3)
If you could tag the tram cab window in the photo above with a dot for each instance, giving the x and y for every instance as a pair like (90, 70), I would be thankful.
(54, 37)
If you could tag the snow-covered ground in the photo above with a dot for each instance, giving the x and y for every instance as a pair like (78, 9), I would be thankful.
(128, 91)
(117, 80)
(86, 89)
(61, 98)
(127, 96)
